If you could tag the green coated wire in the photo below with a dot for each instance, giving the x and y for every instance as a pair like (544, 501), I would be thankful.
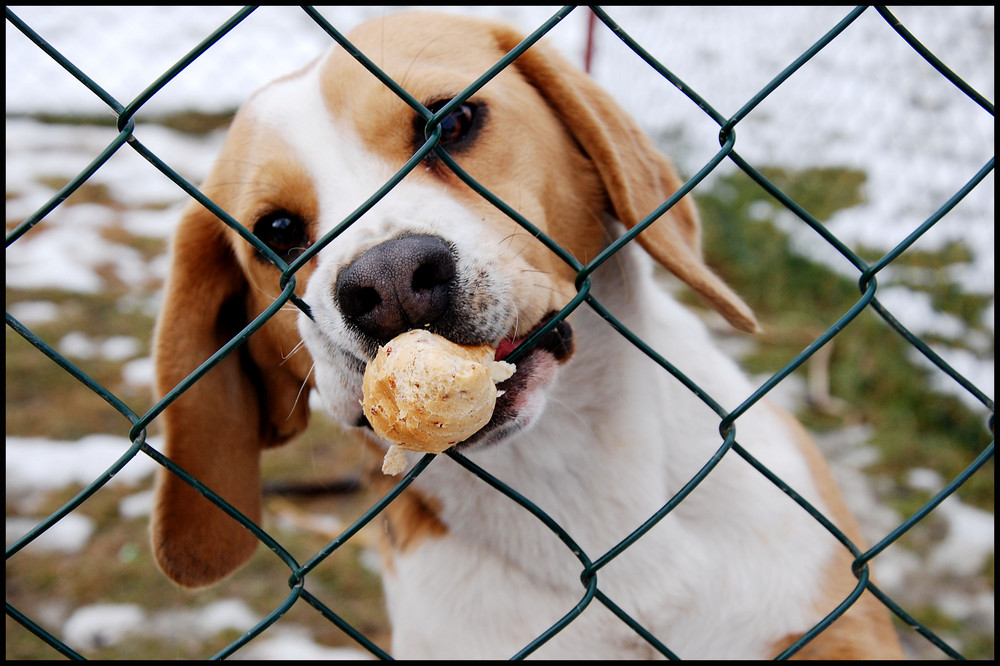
(729, 421)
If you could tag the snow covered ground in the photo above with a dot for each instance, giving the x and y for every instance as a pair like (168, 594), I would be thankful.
(867, 102)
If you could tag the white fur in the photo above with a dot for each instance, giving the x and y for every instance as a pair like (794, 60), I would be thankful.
(598, 464)
(615, 438)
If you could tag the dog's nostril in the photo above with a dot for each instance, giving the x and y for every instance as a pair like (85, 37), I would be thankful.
(431, 275)
(365, 300)
(397, 285)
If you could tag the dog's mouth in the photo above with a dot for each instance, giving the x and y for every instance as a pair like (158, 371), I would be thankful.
(518, 404)
(558, 342)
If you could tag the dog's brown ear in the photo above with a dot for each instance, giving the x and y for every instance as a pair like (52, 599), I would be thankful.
(636, 176)
(254, 398)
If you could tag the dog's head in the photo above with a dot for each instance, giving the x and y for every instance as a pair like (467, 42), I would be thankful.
(311, 149)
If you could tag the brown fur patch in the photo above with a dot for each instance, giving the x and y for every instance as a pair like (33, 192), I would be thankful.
(865, 630)
(410, 519)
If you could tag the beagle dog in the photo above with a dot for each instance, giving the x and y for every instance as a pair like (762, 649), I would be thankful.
(589, 428)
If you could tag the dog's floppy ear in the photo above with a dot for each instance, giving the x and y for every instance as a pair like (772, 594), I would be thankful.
(636, 176)
(254, 398)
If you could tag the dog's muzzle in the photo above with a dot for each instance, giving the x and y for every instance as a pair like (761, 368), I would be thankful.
(411, 282)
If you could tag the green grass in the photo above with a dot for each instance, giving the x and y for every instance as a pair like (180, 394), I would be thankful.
(35, 383)
(870, 369)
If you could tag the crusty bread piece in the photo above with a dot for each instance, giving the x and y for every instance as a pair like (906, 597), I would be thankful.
(424, 393)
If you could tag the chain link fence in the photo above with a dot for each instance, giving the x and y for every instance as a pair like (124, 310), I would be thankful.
(866, 273)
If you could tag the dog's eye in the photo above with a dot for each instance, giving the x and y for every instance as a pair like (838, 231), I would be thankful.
(457, 124)
(284, 233)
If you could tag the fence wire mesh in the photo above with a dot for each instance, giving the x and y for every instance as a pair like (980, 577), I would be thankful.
(867, 273)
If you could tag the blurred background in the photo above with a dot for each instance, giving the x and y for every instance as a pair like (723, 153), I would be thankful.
(866, 136)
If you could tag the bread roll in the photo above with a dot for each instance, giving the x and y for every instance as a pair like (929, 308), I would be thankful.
(424, 393)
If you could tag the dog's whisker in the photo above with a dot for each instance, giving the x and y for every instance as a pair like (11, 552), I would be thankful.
(298, 347)
(302, 387)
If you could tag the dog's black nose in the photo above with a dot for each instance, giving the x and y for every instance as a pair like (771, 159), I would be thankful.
(397, 285)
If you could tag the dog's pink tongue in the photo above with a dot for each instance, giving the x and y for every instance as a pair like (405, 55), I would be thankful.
(505, 348)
